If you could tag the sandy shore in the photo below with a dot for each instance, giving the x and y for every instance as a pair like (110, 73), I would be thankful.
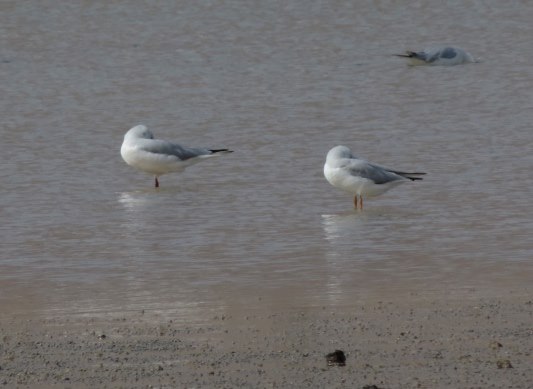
(415, 342)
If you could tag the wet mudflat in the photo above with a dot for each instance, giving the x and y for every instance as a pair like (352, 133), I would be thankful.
(426, 343)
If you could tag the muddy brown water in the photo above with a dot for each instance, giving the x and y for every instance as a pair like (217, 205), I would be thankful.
(280, 83)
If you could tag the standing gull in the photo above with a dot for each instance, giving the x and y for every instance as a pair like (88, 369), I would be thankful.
(158, 157)
(442, 55)
(359, 177)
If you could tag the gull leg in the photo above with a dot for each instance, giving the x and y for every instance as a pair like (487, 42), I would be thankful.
(156, 183)
(355, 201)
(361, 203)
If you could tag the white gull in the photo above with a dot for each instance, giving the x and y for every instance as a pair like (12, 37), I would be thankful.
(441, 55)
(361, 178)
(156, 156)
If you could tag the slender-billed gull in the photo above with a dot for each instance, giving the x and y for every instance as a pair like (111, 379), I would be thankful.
(158, 157)
(442, 55)
(359, 177)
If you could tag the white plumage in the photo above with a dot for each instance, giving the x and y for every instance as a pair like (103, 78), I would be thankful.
(441, 55)
(155, 156)
(361, 178)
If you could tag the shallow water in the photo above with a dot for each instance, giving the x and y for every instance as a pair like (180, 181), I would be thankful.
(280, 83)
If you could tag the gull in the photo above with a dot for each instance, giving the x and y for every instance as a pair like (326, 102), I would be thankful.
(345, 171)
(158, 157)
(442, 55)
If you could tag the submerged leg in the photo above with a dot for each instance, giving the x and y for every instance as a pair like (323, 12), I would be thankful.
(156, 183)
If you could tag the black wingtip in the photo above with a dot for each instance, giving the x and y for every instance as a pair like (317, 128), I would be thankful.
(414, 176)
(221, 151)
(408, 54)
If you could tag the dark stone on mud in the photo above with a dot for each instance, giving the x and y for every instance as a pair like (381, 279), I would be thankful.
(336, 358)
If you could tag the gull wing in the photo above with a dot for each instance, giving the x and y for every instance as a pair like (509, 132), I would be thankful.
(165, 148)
(375, 173)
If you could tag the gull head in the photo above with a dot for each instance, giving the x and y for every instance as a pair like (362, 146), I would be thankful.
(139, 132)
(339, 152)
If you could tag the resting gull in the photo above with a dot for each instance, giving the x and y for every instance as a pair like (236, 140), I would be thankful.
(442, 55)
(361, 178)
(158, 157)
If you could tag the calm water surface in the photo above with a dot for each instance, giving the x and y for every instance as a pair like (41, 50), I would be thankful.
(280, 83)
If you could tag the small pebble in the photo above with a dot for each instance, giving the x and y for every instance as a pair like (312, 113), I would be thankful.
(336, 358)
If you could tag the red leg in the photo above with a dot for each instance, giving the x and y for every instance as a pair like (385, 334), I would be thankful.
(156, 183)
(361, 203)
(355, 201)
